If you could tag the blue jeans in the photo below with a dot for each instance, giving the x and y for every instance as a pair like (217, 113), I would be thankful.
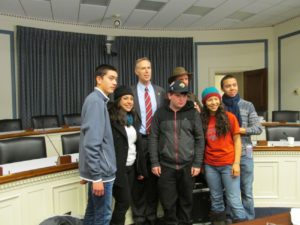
(247, 169)
(218, 178)
(98, 210)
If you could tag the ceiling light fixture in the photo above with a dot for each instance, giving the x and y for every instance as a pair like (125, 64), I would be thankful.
(116, 20)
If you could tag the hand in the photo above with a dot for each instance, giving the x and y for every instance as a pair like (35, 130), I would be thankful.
(98, 188)
(235, 170)
(196, 106)
(242, 130)
(140, 177)
(156, 171)
(82, 181)
(195, 171)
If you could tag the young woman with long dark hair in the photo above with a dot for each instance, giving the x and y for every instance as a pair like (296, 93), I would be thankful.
(129, 162)
(222, 157)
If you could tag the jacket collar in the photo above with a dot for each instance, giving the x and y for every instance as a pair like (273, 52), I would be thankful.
(120, 128)
(101, 94)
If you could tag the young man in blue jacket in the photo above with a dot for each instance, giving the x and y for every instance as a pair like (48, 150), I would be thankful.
(97, 163)
(176, 146)
(249, 125)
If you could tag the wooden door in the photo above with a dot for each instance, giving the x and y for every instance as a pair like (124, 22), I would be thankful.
(256, 88)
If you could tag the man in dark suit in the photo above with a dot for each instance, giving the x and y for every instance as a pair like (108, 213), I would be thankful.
(147, 98)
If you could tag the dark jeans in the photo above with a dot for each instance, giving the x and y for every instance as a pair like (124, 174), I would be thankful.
(144, 194)
(176, 195)
(122, 196)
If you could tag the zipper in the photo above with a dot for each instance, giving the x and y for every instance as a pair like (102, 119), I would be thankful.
(176, 140)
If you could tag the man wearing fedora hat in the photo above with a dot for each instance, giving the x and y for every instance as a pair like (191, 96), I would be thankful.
(180, 73)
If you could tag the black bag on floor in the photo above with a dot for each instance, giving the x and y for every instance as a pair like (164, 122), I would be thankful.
(62, 220)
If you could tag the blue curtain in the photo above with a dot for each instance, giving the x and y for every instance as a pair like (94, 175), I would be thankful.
(164, 53)
(56, 69)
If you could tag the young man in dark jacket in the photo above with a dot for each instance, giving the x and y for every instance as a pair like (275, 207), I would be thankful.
(176, 146)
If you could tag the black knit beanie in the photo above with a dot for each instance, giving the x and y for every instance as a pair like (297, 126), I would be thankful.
(122, 90)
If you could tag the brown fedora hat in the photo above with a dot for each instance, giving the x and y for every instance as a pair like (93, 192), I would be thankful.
(178, 71)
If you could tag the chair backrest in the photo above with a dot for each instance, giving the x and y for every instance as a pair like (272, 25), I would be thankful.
(70, 143)
(72, 119)
(285, 115)
(47, 121)
(21, 149)
(263, 114)
(282, 132)
(10, 125)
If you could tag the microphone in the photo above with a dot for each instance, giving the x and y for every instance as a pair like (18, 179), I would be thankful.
(61, 159)
(285, 135)
(52, 144)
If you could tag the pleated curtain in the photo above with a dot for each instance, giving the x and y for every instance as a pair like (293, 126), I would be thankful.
(56, 69)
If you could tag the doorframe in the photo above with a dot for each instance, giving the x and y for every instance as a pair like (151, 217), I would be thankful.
(212, 72)
(199, 44)
(280, 39)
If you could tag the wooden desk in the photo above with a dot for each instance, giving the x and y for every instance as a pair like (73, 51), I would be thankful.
(28, 198)
(278, 124)
(276, 176)
(52, 137)
(277, 148)
(37, 172)
(277, 219)
(38, 132)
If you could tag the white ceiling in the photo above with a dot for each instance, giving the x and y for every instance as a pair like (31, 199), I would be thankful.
(158, 14)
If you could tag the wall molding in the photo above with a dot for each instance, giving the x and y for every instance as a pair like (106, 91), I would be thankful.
(199, 44)
(280, 39)
(40, 179)
(13, 72)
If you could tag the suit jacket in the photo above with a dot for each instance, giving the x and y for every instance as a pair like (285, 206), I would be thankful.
(160, 96)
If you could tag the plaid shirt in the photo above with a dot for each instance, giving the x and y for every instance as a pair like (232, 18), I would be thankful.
(250, 121)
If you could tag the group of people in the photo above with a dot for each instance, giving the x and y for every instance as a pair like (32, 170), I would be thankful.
(148, 145)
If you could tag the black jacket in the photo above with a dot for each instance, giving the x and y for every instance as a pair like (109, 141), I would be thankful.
(121, 150)
(176, 138)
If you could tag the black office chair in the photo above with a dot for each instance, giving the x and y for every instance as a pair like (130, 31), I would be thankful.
(10, 125)
(72, 119)
(70, 143)
(282, 132)
(263, 113)
(285, 116)
(47, 121)
(21, 149)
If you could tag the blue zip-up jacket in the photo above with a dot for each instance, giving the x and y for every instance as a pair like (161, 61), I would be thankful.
(97, 160)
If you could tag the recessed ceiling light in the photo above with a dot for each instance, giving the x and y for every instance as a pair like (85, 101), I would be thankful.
(239, 15)
(198, 10)
(150, 5)
(95, 2)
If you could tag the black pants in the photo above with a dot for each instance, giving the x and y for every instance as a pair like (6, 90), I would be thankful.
(123, 197)
(144, 196)
(176, 195)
